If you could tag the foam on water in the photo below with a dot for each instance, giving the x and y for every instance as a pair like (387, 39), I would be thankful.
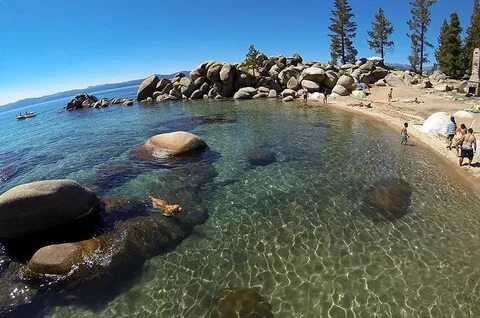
(294, 230)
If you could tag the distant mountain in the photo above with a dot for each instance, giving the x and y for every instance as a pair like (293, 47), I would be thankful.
(90, 89)
(405, 67)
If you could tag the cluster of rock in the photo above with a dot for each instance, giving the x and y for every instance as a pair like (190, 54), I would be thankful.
(278, 76)
(89, 101)
(437, 81)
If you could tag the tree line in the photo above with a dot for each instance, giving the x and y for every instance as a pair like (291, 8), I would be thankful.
(453, 54)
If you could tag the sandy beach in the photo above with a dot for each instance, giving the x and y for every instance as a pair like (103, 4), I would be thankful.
(401, 110)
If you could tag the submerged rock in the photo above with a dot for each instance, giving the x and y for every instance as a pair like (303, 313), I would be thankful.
(173, 144)
(389, 199)
(60, 259)
(240, 302)
(38, 206)
(260, 156)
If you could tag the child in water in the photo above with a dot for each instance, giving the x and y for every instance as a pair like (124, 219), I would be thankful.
(404, 134)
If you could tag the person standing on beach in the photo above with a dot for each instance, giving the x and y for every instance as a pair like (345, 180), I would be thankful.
(451, 129)
(404, 134)
(390, 95)
(469, 146)
(305, 96)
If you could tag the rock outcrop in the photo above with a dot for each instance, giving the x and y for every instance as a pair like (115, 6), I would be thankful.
(38, 206)
(218, 80)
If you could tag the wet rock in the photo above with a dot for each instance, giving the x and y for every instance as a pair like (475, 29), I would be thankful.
(60, 259)
(240, 302)
(173, 144)
(260, 156)
(272, 93)
(388, 199)
(38, 206)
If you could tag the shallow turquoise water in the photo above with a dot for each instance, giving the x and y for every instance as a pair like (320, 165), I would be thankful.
(293, 230)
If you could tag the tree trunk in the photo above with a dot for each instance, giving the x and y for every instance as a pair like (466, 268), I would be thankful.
(343, 49)
(422, 42)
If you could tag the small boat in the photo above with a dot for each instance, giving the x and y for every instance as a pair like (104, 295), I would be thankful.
(26, 115)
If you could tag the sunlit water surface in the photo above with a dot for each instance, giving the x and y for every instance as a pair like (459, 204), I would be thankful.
(293, 230)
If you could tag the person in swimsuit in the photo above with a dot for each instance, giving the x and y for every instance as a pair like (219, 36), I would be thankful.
(469, 146)
(390, 95)
(451, 129)
(404, 134)
(458, 137)
(305, 96)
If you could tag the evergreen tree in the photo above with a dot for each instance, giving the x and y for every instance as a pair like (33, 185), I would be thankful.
(449, 53)
(414, 57)
(421, 18)
(439, 53)
(254, 59)
(473, 34)
(379, 35)
(343, 32)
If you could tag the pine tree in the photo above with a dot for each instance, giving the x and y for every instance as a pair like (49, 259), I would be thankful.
(439, 53)
(343, 33)
(473, 34)
(379, 35)
(253, 59)
(449, 56)
(421, 18)
(414, 57)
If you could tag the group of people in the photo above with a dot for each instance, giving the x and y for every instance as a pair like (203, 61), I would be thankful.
(462, 139)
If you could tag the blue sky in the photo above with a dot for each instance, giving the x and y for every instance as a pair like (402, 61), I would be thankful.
(54, 45)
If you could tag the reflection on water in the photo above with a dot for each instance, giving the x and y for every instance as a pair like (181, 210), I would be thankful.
(294, 230)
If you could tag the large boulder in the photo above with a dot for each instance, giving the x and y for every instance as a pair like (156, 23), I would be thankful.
(38, 206)
(147, 87)
(285, 75)
(340, 90)
(292, 83)
(228, 74)
(61, 259)
(288, 92)
(394, 80)
(173, 144)
(346, 81)
(198, 94)
(310, 86)
(242, 95)
(443, 87)
(314, 74)
(331, 79)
